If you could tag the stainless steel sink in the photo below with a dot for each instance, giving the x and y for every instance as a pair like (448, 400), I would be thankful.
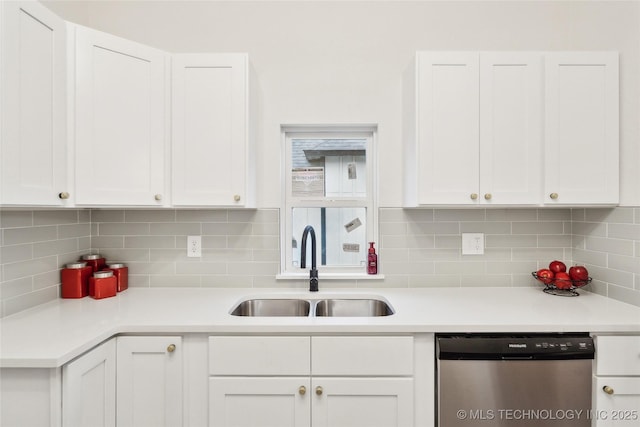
(272, 307)
(352, 308)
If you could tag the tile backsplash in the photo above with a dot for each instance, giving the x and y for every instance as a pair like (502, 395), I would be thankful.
(240, 248)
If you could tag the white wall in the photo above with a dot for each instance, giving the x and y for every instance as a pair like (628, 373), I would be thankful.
(342, 61)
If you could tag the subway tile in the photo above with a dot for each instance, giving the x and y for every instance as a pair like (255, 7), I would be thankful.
(54, 247)
(624, 263)
(494, 254)
(446, 242)
(272, 282)
(107, 215)
(530, 214)
(623, 231)
(391, 215)
(253, 268)
(74, 230)
(495, 227)
(32, 267)
(84, 244)
(395, 281)
(441, 227)
(16, 236)
(610, 215)
(590, 257)
(460, 267)
(393, 255)
(616, 277)
(488, 280)
(149, 242)
(542, 255)
(597, 287)
(84, 215)
(419, 215)
(152, 268)
(512, 267)
(123, 229)
(61, 216)
(393, 228)
(404, 268)
(201, 268)
(101, 242)
(13, 219)
(623, 294)
(46, 280)
(459, 215)
(578, 215)
(113, 255)
(420, 255)
(227, 229)
(150, 215)
(265, 229)
(208, 242)
(615, 246)
(67, 258)
(414, 241)
(13, 288)
(22, 302)
(556, 214)
(435, 281)
(227, 281)
(139, 280)
(507, 241)
(557, 241)
(259, 215)
(255, 242)
(175, 228)
(261, 255)
(16, 253)
(593, 229)
(175, 281)
(549, 227)
(201, 215)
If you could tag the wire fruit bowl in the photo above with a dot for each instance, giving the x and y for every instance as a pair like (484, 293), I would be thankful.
(553, 289)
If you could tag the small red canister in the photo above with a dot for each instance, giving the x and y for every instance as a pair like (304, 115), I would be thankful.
(103, 284)
(121, 272)
(96, 261)
(75, 280)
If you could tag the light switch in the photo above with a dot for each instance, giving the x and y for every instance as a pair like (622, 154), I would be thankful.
(472, 243)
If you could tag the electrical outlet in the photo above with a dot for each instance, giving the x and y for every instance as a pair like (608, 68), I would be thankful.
(194, 246)
(472, 243)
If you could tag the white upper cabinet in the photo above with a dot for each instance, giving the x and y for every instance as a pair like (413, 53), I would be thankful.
(510, 128)
(582, 121)
(33, 106)
(120, 121)
(211, 150)
(477, 129)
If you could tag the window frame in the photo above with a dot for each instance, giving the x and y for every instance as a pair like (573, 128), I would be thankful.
(288, 201)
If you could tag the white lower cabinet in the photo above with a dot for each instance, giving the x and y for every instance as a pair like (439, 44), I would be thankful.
(616, 384)
(311, 381)
(127, 381)
(89, 388)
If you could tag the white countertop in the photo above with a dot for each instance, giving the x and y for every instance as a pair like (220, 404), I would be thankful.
(51, 334)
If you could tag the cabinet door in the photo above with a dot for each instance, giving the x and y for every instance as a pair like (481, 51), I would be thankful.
(621, 406)
(33, 105)
(510, 128)
(264, 402)
(149, 381)
(210, 141)
(447, 127)
(362, 402)
(581, 115)
(89, 388)
(120, 121)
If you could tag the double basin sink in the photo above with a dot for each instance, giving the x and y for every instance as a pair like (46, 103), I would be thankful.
(306, 307)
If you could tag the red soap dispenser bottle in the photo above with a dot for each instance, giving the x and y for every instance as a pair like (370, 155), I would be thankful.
(372, 261)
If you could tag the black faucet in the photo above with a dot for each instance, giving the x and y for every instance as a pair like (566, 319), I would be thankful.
(313, 273)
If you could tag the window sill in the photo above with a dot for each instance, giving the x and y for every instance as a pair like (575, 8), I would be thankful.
(330, 276)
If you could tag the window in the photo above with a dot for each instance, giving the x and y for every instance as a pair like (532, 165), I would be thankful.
(329, 185)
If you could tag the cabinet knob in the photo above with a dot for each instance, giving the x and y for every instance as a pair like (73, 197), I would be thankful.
(554, 196)
(319, 391)
(473, 196)
(487, 196)
(171, 348)
(236, 197)
(302, 390)
(607, 389)
(158, 197)
(64, 195)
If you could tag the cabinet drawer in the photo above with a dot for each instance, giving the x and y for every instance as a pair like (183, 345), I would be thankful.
(257, 355)
(362, 355)
(618, 355)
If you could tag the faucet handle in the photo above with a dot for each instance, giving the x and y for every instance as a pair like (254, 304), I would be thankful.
(313, 280)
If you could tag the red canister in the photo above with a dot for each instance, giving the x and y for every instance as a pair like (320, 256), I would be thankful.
(121, 272)
(103, 284)
(75, 280)
(96, 261)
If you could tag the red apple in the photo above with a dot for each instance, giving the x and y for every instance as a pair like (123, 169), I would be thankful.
(563, 281)
(545, 275)
(579, 275)
(557, 267)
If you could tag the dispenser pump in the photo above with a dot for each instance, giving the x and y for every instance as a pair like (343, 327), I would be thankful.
(372, 260)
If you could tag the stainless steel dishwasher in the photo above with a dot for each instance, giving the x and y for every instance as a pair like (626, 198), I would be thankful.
(514, 380)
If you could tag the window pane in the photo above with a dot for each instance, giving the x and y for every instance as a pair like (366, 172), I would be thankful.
(341, 236)
(328, 167)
